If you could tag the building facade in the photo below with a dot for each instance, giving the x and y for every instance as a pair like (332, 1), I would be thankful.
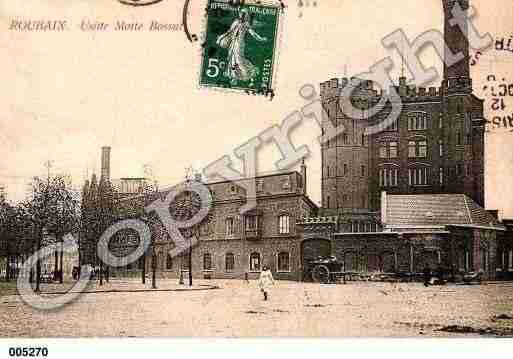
(235, 245)
(435, 146)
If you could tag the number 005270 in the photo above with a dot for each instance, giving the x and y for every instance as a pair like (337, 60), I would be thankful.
(21, 352)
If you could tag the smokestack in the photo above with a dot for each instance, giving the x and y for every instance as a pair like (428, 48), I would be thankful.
(456, 40)
(303, 175)
(105, 174)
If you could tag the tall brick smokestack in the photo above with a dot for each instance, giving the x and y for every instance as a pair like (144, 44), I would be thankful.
(456, 39)
(105, 163)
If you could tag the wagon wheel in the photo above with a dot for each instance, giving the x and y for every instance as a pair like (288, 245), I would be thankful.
(321, 274)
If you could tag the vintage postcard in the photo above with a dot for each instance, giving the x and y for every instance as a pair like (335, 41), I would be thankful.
(248, 169)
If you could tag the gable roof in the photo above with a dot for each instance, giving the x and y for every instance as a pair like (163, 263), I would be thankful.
(435, 210)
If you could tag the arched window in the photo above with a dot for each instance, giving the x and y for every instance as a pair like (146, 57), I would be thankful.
(229, 226)
(207, 261)
(418, 121)
(254, 262)
(283, 262)
(229, 262)
(169, 261)
(345, 139)
(418, 176)
(388, 177)
(417, 148)
(284, 224)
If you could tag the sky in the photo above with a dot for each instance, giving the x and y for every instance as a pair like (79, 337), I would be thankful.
(66, 94)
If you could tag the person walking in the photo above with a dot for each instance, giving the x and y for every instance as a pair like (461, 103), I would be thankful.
(265, 281)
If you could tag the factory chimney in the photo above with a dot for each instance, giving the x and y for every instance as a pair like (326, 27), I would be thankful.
(105, 174)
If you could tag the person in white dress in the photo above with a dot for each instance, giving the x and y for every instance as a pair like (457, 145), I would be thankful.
(239, 68)
(265, 281)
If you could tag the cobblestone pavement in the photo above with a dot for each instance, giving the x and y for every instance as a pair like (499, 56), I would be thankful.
(236, 309)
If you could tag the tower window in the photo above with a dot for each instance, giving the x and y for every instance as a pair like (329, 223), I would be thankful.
(388, 177)
(229, 226)
(441, 175)
(418, 121)
(417, 176)
(284, 224)
(417, 148)
(441, 146)
(388, 149)
(345, 139)
(345, 169)
(363, 170)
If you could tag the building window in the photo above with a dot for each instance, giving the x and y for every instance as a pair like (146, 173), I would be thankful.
(345, 139)
(251, 223)
(328, 201)
(441, 175)
(388, 149)
(441, 147)
(441, 120)
(458, 169)
(233, 189)
(254, 262)
(383, 150)
(284, 224)
(392, 126)
(229, 226)
(417, 148)
(207, 261)
(229, 262)
(392, 149)
(283, 262)
(363, 139)
(363, 170)
(260, 185)
(458, 139)
(469, 170)
(417, 176)
(418, 121)
(169, 262)
(388, 177)
(345, 169)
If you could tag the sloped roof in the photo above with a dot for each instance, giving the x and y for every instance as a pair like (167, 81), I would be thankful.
(434, 210)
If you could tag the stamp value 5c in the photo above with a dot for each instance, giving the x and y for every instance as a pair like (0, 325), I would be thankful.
(240, 46)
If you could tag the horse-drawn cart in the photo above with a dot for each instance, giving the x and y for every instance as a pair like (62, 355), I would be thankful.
(326, 270)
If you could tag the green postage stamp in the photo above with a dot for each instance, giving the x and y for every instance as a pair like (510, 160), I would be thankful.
(239, 48)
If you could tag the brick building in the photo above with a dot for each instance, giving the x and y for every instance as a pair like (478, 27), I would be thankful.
(394, 201)
(435, 146)
(435, 230)
(233, 244)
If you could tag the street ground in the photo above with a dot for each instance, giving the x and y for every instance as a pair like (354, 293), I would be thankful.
(125, 308)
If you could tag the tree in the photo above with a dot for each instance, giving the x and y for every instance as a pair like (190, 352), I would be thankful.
(186, 205)
(51, 205)
(65, 217)
(8, 232)
(97, 214)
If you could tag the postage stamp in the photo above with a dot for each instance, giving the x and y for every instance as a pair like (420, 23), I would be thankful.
(240, 46)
